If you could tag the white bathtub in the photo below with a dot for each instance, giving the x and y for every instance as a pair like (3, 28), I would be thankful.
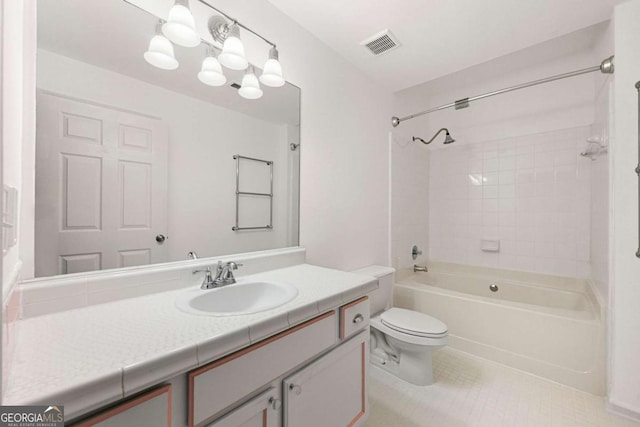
(549, 326)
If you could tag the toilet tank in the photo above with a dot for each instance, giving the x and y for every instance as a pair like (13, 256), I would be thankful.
(382, 298)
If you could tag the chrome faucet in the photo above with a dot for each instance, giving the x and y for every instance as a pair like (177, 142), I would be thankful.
(417, 268)
(224, 273)
(208, 281)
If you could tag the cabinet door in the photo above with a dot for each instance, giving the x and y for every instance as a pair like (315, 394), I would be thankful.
(216, 387)
(152, 409)
(261, 411)
(332, 391)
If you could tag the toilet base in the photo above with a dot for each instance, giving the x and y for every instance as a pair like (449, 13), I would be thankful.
(414, 368)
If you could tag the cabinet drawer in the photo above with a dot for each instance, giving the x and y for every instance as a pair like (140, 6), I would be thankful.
(151, 409)
(216, 386)
(354, 317)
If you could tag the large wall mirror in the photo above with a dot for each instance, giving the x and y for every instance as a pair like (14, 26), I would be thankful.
(136, 165)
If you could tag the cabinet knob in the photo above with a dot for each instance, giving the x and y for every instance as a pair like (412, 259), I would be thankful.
(275, 403)
(358, 318)
(295, 388)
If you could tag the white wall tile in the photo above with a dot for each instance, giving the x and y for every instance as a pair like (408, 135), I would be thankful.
(525, 191)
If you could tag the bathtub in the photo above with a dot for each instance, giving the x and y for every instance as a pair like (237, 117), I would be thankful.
(546, 325)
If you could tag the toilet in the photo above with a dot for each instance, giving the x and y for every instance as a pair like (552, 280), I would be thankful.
(402, 341)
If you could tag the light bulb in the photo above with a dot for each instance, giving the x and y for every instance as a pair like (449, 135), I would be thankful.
(180, 27)
(160, 52)
(211, 72)
(232, 55)
(250, 86)
(272, 71)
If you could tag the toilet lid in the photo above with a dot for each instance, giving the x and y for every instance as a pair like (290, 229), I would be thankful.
(413, 323)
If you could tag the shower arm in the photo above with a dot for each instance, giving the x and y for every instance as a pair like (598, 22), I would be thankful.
(415, 138)
(605, 67)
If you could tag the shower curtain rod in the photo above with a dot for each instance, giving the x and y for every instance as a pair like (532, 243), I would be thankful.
(606, 67)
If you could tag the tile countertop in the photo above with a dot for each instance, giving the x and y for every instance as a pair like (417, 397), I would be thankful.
(91, 356)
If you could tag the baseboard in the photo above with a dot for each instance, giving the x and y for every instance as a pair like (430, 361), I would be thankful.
(623, 412)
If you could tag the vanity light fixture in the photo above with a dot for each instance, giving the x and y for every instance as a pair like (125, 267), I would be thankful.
(160, 52)
(225, 32)
(211, 72)
(232, 55)
(250, 86)
(180, 27)
(272, 70)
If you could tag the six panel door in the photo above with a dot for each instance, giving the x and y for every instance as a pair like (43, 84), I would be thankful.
(101, 187)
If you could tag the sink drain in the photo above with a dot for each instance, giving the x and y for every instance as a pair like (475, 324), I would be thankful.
(493, 288)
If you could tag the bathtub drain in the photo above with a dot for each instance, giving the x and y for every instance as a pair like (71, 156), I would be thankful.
(493, 288)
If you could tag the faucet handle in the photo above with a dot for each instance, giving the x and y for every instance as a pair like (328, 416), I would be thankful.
(233, 265)
(207, 270)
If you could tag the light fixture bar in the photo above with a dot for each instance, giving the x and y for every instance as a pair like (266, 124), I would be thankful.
(233, 20)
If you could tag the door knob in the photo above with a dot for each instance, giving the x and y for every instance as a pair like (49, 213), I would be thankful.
(160, 238)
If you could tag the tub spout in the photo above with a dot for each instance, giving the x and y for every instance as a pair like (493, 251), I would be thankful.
(417, 268)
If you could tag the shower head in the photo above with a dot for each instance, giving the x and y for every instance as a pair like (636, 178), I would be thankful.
(447, 138)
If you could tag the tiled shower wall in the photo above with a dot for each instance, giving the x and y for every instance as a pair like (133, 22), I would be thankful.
(409, 222)
(532, 193)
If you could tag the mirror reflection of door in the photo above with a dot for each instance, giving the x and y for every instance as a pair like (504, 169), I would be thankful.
(101, 187)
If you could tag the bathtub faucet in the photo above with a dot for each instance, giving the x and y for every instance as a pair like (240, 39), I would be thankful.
(417, 268)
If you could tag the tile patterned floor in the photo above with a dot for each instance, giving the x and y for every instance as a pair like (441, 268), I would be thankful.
(470, 391)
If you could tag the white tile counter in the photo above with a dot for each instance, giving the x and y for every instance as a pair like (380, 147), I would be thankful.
(87, 357)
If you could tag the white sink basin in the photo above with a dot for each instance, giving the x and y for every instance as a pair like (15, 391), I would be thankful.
(243, 297)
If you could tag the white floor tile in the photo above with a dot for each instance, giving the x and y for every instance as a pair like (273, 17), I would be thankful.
(469, 391)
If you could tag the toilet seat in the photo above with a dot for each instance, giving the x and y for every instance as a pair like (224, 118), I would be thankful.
(413, 323)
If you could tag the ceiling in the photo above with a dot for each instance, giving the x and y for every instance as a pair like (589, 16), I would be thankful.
(439, 37)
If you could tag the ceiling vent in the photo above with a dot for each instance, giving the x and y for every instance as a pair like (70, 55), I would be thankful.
(382, 42)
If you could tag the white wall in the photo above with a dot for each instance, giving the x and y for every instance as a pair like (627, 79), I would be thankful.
(625, 266)
(18, 74)
(557, 105)
(532, 190)
(202, 140)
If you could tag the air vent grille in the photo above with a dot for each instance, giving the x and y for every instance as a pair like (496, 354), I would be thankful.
(382, 42)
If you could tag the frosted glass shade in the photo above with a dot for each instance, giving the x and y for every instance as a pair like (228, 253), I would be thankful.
(160, 53)
(250, 86)
(211, 72)
(180, 27)
(272, 73)
(232, 55)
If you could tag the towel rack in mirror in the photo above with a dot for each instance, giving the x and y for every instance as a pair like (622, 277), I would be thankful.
(239, 193)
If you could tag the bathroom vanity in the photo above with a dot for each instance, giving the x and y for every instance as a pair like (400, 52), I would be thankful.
(142, 361)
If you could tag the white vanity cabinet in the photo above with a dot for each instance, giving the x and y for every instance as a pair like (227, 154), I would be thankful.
(332, 391)
(311, 375)
(150, 409)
